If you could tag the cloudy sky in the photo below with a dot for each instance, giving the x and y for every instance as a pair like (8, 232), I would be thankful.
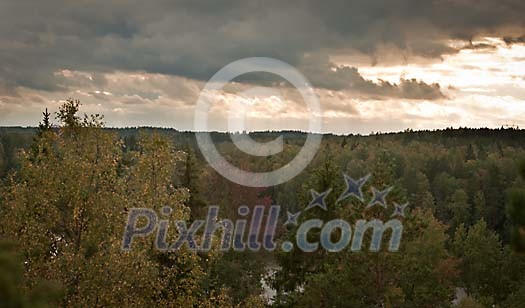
(376, 65)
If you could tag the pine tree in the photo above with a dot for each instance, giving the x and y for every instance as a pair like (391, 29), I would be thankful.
(480, 251)
(191, 181)
(470, 154)
(45, 125)
(516, 213)
(458, 209)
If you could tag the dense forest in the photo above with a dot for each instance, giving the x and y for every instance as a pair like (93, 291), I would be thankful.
(68, 184)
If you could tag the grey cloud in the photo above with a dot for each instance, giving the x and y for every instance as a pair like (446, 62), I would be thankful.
(479, 46)
(413, 89)
(196, 38)
(514, 40)
(326, 75)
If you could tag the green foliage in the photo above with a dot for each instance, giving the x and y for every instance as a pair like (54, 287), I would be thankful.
(469, 302)
(421, 274)
(66, 191)
(66, 207)
(43, 294)
(67, 113)
(470, 154)
(45, 125)
(458, 209)
(516, 213)
(481, 252)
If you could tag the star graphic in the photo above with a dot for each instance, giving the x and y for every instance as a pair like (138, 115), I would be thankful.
(292, 218)
(379, 197)
(318, 199)
(353, 187)
(399, 210)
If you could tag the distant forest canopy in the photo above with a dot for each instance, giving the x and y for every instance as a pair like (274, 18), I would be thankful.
(470, 160)
(14, 138)
(480, 162)
(66, 191)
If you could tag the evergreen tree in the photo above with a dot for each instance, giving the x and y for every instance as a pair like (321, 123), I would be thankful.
(516, 213)
(470, 154)
(481, 251)
(45, 125)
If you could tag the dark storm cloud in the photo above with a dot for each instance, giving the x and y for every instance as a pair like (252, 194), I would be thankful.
(473, 46)
(324, 74)
(514, 40)
(196, 38)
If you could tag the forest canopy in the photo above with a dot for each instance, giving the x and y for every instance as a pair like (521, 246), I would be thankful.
(68, 185)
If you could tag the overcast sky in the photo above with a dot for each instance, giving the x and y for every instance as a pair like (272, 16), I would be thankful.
(376, 65)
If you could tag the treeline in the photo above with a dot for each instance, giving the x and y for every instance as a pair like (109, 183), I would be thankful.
(67, 187)
(13, 139)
